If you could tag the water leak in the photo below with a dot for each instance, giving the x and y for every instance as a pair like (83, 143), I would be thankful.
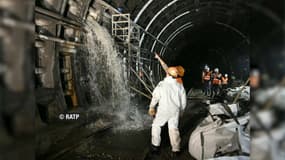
(108, 87)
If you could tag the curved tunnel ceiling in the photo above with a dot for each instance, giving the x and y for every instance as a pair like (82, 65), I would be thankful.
(174, 22)
(197, 12)
(232, 14)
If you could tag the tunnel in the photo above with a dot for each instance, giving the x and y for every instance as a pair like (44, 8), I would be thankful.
(87, 69)
(192, 33)
(220, 34)
(212, 45)
(224, 35)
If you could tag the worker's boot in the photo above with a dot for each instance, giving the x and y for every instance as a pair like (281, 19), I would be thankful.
(153, 153)
(174, 155)
(154, 149)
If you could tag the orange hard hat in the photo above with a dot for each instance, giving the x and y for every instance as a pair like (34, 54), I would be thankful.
(172, 71)
(180, 70)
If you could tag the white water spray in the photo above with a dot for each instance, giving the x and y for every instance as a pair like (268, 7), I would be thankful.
(105, 75)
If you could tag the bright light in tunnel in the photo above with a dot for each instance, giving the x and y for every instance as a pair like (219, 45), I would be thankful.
(168, 24)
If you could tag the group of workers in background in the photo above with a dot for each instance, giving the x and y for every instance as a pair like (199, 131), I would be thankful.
(213, 81)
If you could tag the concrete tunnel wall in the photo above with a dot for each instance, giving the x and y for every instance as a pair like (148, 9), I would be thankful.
(218, 33)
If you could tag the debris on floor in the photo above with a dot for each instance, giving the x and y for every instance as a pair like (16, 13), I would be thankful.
(243, 90)
(224, 133)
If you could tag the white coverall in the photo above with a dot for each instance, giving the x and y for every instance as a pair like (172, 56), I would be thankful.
(171, 97)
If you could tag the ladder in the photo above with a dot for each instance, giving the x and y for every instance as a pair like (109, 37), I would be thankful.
(128, 34)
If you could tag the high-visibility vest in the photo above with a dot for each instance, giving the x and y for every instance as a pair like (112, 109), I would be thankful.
(254, 81)
(225, 80)
(207, 76)
(216, 80)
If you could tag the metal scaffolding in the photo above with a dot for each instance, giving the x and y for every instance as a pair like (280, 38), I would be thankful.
(128, 35)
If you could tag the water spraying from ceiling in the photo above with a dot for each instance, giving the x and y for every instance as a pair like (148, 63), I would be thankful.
(108, 87)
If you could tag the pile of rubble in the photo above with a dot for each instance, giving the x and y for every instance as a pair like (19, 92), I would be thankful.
(224, 133)
(244, 92)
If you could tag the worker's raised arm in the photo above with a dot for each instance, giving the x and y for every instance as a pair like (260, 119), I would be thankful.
(162, 63)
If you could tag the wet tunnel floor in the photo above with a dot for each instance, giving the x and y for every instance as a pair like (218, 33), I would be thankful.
(79, 143)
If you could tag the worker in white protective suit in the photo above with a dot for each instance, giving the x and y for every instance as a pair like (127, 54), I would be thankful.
(171, 99)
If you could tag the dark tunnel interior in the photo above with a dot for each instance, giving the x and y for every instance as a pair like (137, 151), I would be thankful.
(210, 44)
(227, 45)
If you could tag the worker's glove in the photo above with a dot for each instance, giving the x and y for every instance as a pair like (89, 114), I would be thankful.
(156, 56)
(151, 111)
